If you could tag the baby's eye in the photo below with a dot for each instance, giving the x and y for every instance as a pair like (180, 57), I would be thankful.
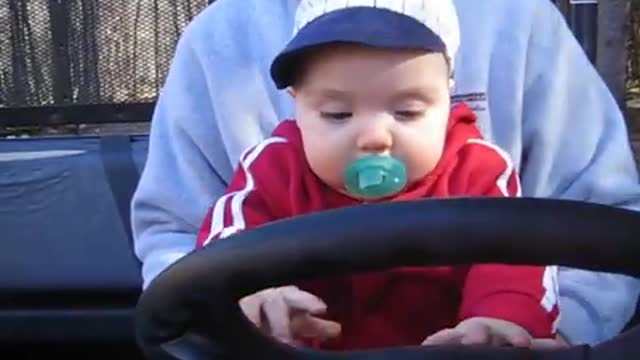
(407, 115)
(336, 116)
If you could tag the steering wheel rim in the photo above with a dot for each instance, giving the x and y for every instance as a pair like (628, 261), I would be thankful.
(190, 311)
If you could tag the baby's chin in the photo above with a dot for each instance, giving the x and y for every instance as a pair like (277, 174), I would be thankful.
(339, 188)
(342, 190)
(345, 192)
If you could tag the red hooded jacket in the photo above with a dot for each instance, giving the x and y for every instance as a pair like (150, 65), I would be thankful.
(399, 306)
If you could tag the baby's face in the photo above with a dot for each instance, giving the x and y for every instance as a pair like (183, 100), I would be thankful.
(354, 101)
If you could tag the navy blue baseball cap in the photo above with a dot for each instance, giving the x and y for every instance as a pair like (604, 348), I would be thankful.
(430, 25)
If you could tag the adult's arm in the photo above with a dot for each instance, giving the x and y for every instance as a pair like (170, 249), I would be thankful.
(182, 171)
(187, 164)
(216, 102)
(575, 146)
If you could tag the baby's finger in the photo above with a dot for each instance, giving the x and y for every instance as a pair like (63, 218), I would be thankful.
(252, 306)
(444, 337)
(548, 344)
(299, 300)
(276, 318)
(516, 337)
(310, 327)
(478, 334)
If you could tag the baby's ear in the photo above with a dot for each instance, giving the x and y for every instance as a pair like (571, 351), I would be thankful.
(452, 84)
(292, 92)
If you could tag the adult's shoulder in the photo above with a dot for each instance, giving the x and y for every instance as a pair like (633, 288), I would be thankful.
(507, 18)
(500, 35)
(246, 28)
(498, 11)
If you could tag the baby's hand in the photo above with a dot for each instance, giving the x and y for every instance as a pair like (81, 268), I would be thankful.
(482, 331)
(286, 313)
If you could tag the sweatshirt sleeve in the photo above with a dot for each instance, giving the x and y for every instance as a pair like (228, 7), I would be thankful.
(217, 101)
(187, 165)
(524, 295)
(252, 199)
(576, 146)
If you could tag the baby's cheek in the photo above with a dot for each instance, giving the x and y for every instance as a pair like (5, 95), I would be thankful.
(422, 159)
(326, 164)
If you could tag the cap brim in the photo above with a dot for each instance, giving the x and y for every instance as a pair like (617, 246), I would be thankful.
(375, 27)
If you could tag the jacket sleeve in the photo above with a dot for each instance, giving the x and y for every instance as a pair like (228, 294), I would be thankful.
(576, 145)
(201, 126)
(524, 295)
(247, 202)
(217, 100)
(185, 169)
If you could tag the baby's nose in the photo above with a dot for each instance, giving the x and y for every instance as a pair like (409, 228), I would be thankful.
(375, 139)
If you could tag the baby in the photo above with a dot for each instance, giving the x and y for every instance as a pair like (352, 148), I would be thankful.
(374, 122)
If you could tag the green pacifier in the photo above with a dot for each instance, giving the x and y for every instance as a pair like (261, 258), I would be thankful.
(375, 176)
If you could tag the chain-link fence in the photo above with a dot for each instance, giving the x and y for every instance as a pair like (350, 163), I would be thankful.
(77, 52)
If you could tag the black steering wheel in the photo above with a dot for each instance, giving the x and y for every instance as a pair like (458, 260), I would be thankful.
(191, 311)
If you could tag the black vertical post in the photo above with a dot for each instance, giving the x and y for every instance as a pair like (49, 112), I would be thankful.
(584, 22)
(58, 22)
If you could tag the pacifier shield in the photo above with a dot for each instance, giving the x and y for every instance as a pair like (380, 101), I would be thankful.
(375, 176)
